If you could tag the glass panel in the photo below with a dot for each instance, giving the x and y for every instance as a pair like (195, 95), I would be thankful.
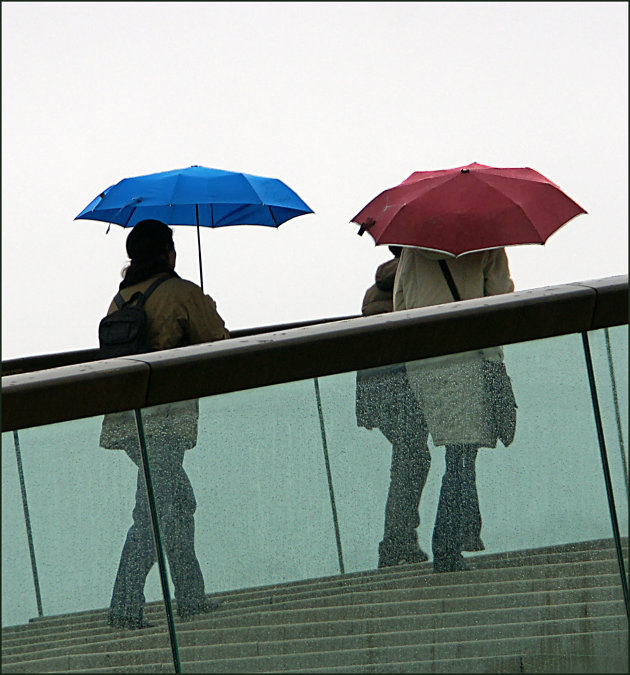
(527, 492)
(255, 465)
(609, 351)
(18, 591)
(80, 498)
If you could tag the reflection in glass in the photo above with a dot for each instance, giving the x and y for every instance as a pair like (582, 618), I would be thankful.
(546, 488)
(243, 484)
(169, 431)
(80, 499)
(263, 506)
(609, 352)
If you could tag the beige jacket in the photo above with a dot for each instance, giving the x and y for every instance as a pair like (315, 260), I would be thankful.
(178, 314)
(449, 389)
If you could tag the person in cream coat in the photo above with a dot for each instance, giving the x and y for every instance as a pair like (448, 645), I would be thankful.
(449, 389)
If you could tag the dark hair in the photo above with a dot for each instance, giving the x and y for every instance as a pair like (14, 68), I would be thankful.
(395, 250)
(148, 241)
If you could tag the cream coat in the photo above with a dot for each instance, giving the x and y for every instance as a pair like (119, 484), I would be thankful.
(178, 314)
(449, 389)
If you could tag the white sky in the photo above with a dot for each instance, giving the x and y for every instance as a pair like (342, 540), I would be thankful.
(339, 100)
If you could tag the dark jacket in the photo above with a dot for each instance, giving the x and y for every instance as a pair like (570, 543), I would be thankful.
(379, 298)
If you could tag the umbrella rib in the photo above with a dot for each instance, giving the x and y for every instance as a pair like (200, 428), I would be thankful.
(518, 206)
(130, 216)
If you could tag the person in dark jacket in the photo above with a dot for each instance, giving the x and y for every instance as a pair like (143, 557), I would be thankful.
(178, 314)
(385, 401)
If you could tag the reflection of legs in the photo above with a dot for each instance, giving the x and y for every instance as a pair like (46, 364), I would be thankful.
(136, 561)
(178, 526)
(409, 469)
(175, 503)
(471, 526)
(448, 534)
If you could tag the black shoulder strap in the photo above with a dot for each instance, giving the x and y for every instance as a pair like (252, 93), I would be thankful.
(151, 288)
(142, 297)
(449, 279)
(119, 300)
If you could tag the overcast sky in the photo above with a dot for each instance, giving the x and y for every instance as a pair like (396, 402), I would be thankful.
(339, 100)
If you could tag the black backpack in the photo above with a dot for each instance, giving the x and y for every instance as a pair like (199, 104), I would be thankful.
(124, 331)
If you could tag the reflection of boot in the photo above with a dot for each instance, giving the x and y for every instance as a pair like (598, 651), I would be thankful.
(203, 607)
(450, 563)
(473, 544)
(127, 621)
(391, 553)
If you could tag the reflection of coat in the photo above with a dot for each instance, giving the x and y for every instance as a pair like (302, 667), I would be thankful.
(175, 423)
(382, 393)
(449, 389)
(178, 314)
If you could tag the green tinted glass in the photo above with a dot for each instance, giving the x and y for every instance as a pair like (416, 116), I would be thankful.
(80, 498)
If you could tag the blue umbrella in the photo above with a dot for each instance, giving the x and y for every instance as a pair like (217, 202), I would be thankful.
(197, 196)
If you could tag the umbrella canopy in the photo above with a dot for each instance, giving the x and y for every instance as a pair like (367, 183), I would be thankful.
(197, 196)
(468, 208)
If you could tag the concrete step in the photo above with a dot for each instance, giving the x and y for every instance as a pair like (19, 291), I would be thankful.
(584, 551)
(402, 619)
(196, 635)
(322, 629)
(366, 640)
(304, 647)
(539, 577)
(523, 663)
(584, 589)
(609, 647)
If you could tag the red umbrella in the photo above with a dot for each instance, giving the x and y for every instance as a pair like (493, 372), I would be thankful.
(468, 208)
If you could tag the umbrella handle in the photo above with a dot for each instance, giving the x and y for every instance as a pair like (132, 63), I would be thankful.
(199, 251)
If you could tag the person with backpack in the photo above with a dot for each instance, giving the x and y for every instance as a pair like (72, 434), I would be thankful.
(170, 312)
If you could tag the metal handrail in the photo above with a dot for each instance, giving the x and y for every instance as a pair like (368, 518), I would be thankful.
(113, 385)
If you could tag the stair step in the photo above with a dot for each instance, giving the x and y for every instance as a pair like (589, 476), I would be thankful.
(600, 644)
(527, 558)
(324, 629)
(427, 583)
(573, 593)
(556, 609)
(361, 641)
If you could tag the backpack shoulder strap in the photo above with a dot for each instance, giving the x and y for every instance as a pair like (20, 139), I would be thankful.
(152, 287)
(449, 279)
(141, 297)
(119, 300)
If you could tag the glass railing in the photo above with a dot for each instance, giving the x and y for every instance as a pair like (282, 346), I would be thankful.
(79, 501)
(283, 483)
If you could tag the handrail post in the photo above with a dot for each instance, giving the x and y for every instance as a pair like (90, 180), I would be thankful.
(158, 543)
(27, 520)
(606, 468)
(329, 476)
(613, 383)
